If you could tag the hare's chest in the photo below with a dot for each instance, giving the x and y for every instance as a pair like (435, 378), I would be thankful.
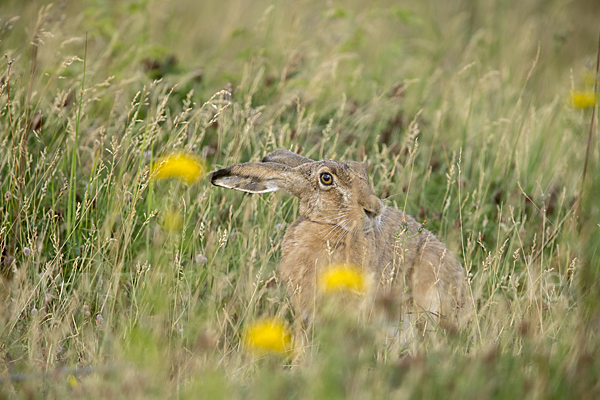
(308, 248)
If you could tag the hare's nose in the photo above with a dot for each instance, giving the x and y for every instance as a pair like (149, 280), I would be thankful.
(370, 214)
(373, 207)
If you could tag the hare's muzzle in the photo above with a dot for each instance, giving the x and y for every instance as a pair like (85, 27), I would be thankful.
(370, 214)
(373, 207)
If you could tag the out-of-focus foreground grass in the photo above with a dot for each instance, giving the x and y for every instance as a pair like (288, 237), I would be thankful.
(472, 114)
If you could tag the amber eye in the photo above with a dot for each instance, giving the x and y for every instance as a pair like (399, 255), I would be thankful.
(326, 179)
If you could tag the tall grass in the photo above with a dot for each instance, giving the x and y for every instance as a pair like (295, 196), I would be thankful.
(460, 109)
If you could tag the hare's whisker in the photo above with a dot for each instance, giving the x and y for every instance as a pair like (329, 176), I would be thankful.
(335, 209)
(334, 234)
(342, 237)
(339, 217)
(329, 232)
(380, 230)
(379, 224)
(389, 197)
(336, 223)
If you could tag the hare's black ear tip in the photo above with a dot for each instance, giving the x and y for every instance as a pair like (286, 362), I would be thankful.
(216, 176)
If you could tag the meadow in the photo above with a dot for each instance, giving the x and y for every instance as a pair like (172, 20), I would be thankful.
(474, 116)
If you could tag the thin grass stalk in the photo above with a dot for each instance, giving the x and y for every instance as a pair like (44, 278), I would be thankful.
(591, 131)
(72, 206)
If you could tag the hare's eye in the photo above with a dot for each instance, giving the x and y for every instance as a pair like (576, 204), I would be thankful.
(326, 179)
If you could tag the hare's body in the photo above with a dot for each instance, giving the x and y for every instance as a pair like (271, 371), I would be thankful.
(399, 256)
(343, 221)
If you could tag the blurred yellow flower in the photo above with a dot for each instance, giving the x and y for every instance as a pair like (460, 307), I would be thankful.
(179, 165)
(343, 277)
(583, 99)
(588, 78)
(172, 221)
(72, 381)
(268, 336)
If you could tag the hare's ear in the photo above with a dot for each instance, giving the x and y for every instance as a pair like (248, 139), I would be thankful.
(259, 178)
(286, 157)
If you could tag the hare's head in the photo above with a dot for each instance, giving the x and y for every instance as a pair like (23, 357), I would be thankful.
(330, 192)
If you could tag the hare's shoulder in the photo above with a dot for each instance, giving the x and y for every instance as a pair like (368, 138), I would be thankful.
(397, 221)
(425, 259)
(418, 243)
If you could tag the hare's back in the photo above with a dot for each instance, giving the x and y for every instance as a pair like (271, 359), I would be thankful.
(431, 270)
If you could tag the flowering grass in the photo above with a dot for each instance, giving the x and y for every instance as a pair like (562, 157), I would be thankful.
(124, 276)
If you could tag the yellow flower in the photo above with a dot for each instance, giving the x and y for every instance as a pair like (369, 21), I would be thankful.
(179, 165)
(343, 277)
(172, 221)
(583, 99)
(268, 336)
(72, 381)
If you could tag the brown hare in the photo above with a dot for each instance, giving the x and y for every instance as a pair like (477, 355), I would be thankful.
(343, 221)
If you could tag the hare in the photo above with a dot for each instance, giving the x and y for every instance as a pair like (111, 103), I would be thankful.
(343, 221)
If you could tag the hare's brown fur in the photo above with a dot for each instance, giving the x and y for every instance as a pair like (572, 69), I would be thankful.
(345, 222)
(419, 266)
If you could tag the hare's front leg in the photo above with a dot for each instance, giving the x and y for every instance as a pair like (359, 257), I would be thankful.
(300, 281)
